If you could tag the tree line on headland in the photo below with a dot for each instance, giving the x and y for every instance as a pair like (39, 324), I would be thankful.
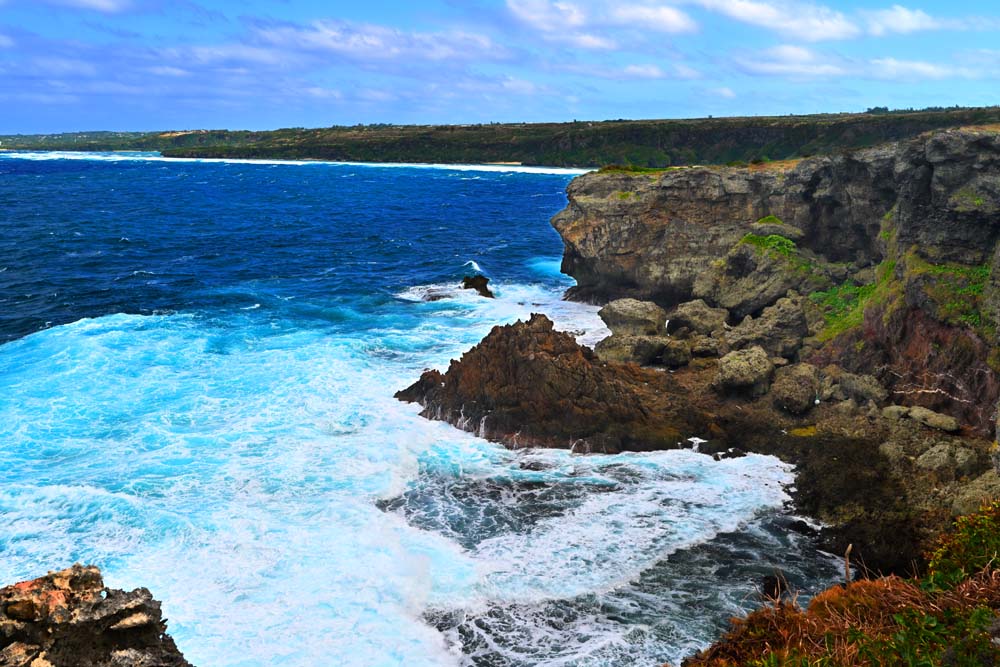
(635, 143)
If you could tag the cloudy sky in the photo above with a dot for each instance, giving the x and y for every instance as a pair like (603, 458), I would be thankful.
(157, 64)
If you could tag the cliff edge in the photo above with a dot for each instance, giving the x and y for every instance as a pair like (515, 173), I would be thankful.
(895, 247)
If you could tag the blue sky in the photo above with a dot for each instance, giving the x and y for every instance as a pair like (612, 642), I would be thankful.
(70, 65)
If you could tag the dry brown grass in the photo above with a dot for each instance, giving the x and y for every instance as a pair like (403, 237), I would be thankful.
(827, 630)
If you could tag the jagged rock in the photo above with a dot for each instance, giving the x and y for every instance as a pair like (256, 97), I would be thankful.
(479, 283)
(933, 419)
(526, 384)
(675, 353)
(624, 348)
(779, 329)
(749, 278)
(697, 316)
(795, 388)
(745, 371)
(630, 317)
(69, 619)
(948, 460)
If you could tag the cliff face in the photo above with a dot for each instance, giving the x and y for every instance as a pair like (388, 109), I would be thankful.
(896, 245)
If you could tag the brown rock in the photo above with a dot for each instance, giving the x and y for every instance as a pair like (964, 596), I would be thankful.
(796, 388)
(69, 619)
(479, 283)
(631, 317)
(526, 384)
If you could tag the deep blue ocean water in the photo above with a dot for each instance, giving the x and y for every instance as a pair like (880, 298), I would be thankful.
(197, 362)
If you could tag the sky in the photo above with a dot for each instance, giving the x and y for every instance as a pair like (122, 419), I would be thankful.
(72, 65)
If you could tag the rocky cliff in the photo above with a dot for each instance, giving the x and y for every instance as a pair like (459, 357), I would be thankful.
(895, 249)
(70, 619)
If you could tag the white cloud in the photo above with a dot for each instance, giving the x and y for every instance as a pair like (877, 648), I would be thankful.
(662, 19)
(367, 42)
(165, 70)
(724, 91)
(644, 72)
(791, 61)
(106, 6)
(900, 19)
(807, 22)
(548, 16)
(5, 41)
(893, 69)
(559, 22)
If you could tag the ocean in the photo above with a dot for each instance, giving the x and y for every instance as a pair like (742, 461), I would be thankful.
(197, 367)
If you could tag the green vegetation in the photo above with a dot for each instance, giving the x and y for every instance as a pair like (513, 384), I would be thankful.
(843, 307)
(771, 243)
(973, 545)
(967, 200)
(956, 290)
(770, 220)
(649, 144)
(943, 618)
(625, 195)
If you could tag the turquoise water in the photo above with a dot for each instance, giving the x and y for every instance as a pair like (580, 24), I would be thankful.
(197, 370)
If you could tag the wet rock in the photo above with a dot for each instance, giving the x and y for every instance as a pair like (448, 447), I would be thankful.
(934, 420)
(630, 317)
(697, 316)
(69, 619)
(623, 348)
(795, 388)
(745, 371)
(479, 283)
(526, 384)
(779, 329)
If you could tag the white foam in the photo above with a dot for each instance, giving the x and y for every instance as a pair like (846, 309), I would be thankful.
(138, 156)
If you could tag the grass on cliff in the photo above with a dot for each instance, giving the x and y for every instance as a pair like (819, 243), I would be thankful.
(771, 243)
(956, 290)
(944, 618)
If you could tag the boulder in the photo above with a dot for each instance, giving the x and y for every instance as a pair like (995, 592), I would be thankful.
(69, 619)
(767, 227)
(796, 388)
(779, 329)
(675, 353)
(631, 317)
(745, 371)
(623, 348)
(479, 283)
(933, 419)
(697, 316)
(896, 412)
(862, 388)
(971, 497)
(705, 346)
(749, 278)
(948, 460)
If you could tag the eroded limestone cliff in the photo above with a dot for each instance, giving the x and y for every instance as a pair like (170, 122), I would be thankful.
(896, 246)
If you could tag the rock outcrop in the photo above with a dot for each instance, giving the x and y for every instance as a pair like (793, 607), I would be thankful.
(70, 619)
(526, 385)
(896, 247)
